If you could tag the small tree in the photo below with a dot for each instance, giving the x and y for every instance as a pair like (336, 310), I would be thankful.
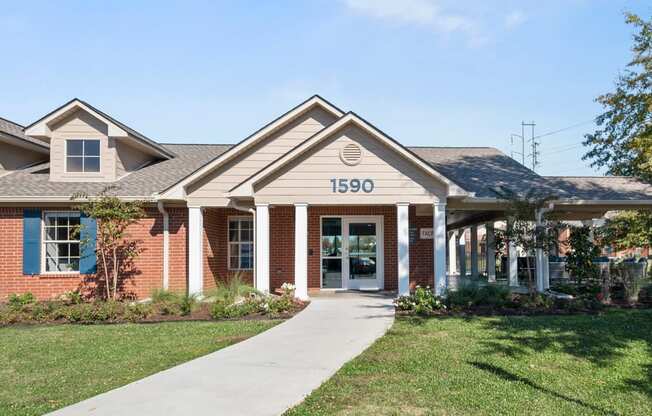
(114, 246)
(627, 229)
(522, 230)
(580, 260)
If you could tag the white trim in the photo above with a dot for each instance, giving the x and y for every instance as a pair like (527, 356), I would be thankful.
(301, 250)
(474, 250)
(379, 220)
(439, 246)
(229, 242)
(403, 245)
(43, 270)
(490, 232)
(179, 188)
(262, 249)
(166, 244)
(452, 253)
(83, 140)
(245, 188)
(195, 250)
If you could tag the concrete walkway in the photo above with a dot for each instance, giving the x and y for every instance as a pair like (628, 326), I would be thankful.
(263, 375)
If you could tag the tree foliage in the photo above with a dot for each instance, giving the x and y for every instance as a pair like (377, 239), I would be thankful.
(521, 228)
(580, 260)
(622, 142)
(115, 248)
(628, 229)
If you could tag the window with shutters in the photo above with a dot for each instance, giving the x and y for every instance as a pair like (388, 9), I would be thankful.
(241, 243)
(61, 242)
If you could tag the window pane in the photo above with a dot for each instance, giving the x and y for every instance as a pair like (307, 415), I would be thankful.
(75, 147)
(246, 256)
(50, 220)
(91, 164)
(50, 233)
(91, 147)
(62, 250)
(62, 233)
(233, 263)
(74, 164)
(246, 224)
(74, 250)
(233, 230)
(246, 235)
(73, 220)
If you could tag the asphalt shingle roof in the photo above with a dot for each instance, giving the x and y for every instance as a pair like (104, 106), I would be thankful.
(16, 130)
(483, 170)
(620, 188)
(144, 182)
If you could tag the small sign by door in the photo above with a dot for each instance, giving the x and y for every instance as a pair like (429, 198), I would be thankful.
(425, 233)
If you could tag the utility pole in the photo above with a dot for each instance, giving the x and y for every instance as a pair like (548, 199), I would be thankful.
(533, 142)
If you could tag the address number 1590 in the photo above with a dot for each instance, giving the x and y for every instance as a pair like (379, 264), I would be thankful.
(343, 186)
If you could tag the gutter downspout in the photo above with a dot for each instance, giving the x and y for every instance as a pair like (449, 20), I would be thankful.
(166, 244)
(543, 276)
(252, 211)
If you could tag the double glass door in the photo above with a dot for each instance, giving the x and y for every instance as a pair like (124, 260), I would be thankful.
(351, 253)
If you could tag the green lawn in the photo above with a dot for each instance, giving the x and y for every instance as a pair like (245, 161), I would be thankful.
(549, 365)
(43, 368)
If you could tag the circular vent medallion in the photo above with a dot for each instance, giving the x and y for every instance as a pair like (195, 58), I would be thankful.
(351, 154)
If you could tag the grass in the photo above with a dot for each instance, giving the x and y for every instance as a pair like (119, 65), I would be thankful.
(541, 365)
(43, 368)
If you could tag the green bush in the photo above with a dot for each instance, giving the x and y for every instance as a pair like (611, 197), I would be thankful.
(171, 303)
(138, 311)
(72, 297)
(230, 290)
(187, 304)
(246, 307)
(19, 301)
(474, 296)
(422, 302)
(277, 305)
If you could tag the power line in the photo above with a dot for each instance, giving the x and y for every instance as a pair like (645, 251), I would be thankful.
(550, 133)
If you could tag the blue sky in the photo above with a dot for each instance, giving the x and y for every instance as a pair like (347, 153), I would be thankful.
(428, 72)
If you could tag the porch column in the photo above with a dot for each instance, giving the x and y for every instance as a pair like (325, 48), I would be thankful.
(262, 247)
(195, 250)
(403, 233)
(513, 265)
(546, 271)
(301, 250)
(474, 250)
(539, 269)
(491, 252)
(439, 246)
(452, 253)
(462, 249)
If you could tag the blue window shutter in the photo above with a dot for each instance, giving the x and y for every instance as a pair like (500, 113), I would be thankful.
(31, 241)
(88, 236)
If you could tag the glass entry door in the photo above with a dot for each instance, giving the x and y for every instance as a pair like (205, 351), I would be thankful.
(352, 253)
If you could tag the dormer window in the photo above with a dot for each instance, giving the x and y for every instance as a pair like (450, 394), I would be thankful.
(82, 155)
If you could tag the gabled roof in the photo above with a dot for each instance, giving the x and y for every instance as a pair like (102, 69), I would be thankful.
(14, 132)
(116, 128)
(245, 188)
(255, 137)
(33, 184)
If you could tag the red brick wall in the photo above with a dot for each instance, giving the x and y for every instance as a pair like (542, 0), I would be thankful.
(215, 246)
(421, 263)
(389, 230)
(148, 267)
(281, 247)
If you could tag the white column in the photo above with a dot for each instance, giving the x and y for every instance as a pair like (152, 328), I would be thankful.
(491, 252)
(474, 251)
(262, 247)
(546, 271)
(539, 269)
(462, 249)
(452, 253)
(301, 250)
(195, 250)
(439, 246)
(403, 232)
(513, 264)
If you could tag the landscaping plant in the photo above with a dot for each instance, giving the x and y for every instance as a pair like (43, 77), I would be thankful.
(114, 246)
(422, 302)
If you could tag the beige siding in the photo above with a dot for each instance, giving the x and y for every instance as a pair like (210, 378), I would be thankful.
(308, 177)
(211, 189)
(81, 125)
(129, 158)
(14, 157)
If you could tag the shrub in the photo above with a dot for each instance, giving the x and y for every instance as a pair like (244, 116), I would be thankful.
(187, 304)
(138, 311)
(170, 303)
(247, 306)
(422, 302)
(72, 297)
(645, 295)
(164, 295)
(19, 301)
(231, 290)
(473, 296)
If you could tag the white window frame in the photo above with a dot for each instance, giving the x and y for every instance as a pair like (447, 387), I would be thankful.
(83, 139)
(229, 242)
(44, 243)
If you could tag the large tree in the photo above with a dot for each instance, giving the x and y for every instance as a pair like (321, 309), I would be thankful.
(622, 142)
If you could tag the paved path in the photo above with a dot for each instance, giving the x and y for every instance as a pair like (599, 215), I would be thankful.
(263, 375)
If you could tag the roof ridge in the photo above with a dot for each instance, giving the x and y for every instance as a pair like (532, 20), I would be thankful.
(196, 144)
(451, 147)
